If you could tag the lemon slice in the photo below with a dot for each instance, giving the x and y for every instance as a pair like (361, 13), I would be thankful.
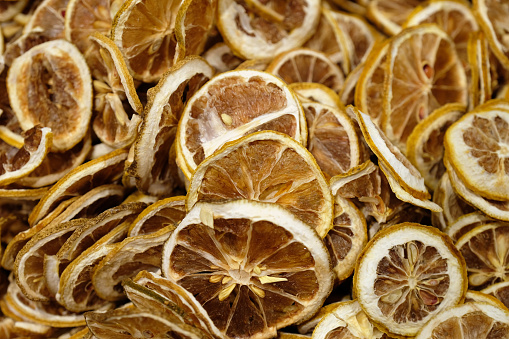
(481, 87)
(406, 275)
(499, 291)
(221, 57)
(347, 93)
(60, 96)
(165, 212)
(273, 280)
(315, 92)
(476, 296)
(466, 223)
(389, 15)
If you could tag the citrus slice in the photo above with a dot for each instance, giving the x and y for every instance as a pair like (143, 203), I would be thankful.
(452, 204)
(315, 92)
(307, 65)
(130, 322)
(61, 101)
(331, 40)
(347, 320)
(500, 291)
(454, 17)
(347, 93)
(476, 296)
(425, 145)
(485, 253)
(399, 167)
(255, 64)
(309, 325)
(126, 259)
(231, 105)
(240, 272)
(9, 9)
(471, 320)
(477, 147)
(270, 167)
(332, 139)
(389, 15)
(423, 74)
(353, 6)
(481, 88)
(221, 57)
(144, 32)
(154, 171)
(347, 238)
(490, 15)
(466, 223)
(406, 275)
(16, 164)
(165, 212)
(80, 180)
(253, 34)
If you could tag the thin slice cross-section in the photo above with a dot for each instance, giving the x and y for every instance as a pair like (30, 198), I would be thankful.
(169, 211)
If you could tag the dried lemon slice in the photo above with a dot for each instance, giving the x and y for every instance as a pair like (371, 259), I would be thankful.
(231, 105)
(253, 34)
(500, 291)
(407, 274)
(466, 223)
(471, 320)
(266, 166)
(62, 100)
(476, 296)
(249, 260)
(315, 92)
(481, 88)
(389, 15)
(307, 65)
(169, 211)
(221, 57)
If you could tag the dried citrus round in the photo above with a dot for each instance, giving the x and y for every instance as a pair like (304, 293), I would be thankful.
(481, 87)
(466, 223)
(266, 166)
(476, 296)
(389, 15)
(169, 211)
(406, 275)
(315, 92)
(500, 291)
(221, 57)
(62, 100)
(253, 266)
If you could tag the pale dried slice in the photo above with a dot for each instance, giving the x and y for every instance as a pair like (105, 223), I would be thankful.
(152, 167)
(144, 32)
(425, 145)
(129, 322)
(452, 204)
(80, 180)
(423, 74)
(331, 40)
(471, 320)
(270, 167)
(223, 254)
(481, 87)
(477, 146)
(391, 157)
(15, 164)
(500, 291)
(307, 65)
(491, 16)
(476, 296)
(231, 105)
(406, 275)
(315, 92)
(466, 223)
(165, 212)
(347, 320)
(347, 238)
(76, 291)
(221, 57)
(32, 330)
(353, 6)
(486, 253)
(9, 9)
(308, 326)
(332, 139)
(253, 34)
(389, 15)
(347, 93)
(60, 100)
(255, 64)
(132, 255)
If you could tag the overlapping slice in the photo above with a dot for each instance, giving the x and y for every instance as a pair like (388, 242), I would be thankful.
(466, 223)
(481, 87)
(231, 105)
(423, 74)
(165, 212)
(500, 291)
(152, 167)
(253, 266)
(389, 15)
(406, 275)
(471, 320)
(263, 29)
(270, 167)
(315, 92)
(307, 65)
(61, 100)
(221, 57)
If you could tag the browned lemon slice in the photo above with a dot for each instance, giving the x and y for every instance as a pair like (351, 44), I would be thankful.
(485, 252)
(500, 291)
(315, 92)
(347, 93)
(165, 212)
(231, 105)
(476, 296)
(425, 145)
(466, 223)
(61, 101)
(126, 259)
(152, 166)
(406, 275)
(389, 15)
(270, 167)
(471, 320)
(253, 34)
(224, 256)
(307, 65)
(308, 326)
(423, 74)
(221, 57)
